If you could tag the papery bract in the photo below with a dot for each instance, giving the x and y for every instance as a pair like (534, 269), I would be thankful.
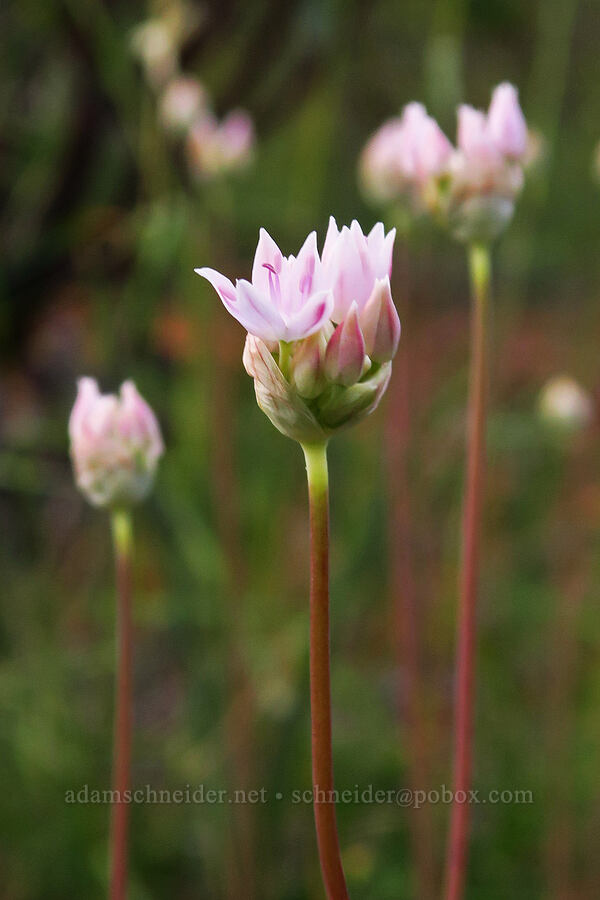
(115, 444)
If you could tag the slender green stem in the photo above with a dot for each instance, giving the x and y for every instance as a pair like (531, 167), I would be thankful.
(121, 780)
(320, 687)
(456, 863)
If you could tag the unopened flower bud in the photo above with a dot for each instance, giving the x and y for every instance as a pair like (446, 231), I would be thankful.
(506, 122)
(380, 323)
(115, 444)
(565, 403)
(307, 365)
(345, 356)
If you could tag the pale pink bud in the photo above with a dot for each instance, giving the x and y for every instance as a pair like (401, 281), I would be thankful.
(181, 102)
(345, 355)
(425, 150)
(237, 138)
(115, 444)
(506, 122)
(307, 365)
(379, 166)
(474, 139)
(380, 323)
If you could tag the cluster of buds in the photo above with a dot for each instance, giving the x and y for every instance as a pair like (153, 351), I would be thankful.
(470, 188)
(115, 444)
(322, 330)
(213, 148)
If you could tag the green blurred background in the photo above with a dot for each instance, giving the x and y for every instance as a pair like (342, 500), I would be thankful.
(102, 226)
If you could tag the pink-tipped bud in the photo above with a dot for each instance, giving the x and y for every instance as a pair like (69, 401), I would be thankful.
(506, 122)
(307, 365)
(380, 323)
(115, 444)
(345, 356)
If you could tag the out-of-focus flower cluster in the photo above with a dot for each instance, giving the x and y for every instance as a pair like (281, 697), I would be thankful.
(322, 330)
(471, 188)
(212, 148)
(564, 403)
(115, 444)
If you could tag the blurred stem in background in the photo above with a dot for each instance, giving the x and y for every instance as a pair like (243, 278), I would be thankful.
(320, 687)
(404, 600)
(123, 717)
(479, 267)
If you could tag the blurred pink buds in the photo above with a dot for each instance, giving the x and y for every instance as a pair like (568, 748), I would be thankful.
(404, 155)
(215, 148)
(115, 444)
(380, 323)
(474, 139)
(312, 323)
(471, 189)
(182, 101)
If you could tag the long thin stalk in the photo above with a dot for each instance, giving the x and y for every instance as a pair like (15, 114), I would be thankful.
(320, 688)
(456, 863)
(121, 781)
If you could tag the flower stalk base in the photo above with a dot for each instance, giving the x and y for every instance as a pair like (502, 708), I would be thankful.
(320, 687)
(121, 779)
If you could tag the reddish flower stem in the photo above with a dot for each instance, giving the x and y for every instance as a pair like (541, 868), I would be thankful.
(121, 782)
(457, 854)
(320, 688)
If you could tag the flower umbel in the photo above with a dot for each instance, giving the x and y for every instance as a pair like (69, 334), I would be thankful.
(470, 188)
(115, 444)
(322, 330)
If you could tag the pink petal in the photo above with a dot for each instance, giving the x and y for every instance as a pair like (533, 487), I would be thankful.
(258, 316)
(315, 313)
(267, 254)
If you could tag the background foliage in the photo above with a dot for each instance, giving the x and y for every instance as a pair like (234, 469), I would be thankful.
(101, 230)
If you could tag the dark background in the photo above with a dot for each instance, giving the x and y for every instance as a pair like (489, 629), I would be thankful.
(101, 228)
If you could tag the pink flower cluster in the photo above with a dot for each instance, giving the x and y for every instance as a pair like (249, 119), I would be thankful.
(471, 187)
(115, 444)
(214, 148)
(329, 320)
